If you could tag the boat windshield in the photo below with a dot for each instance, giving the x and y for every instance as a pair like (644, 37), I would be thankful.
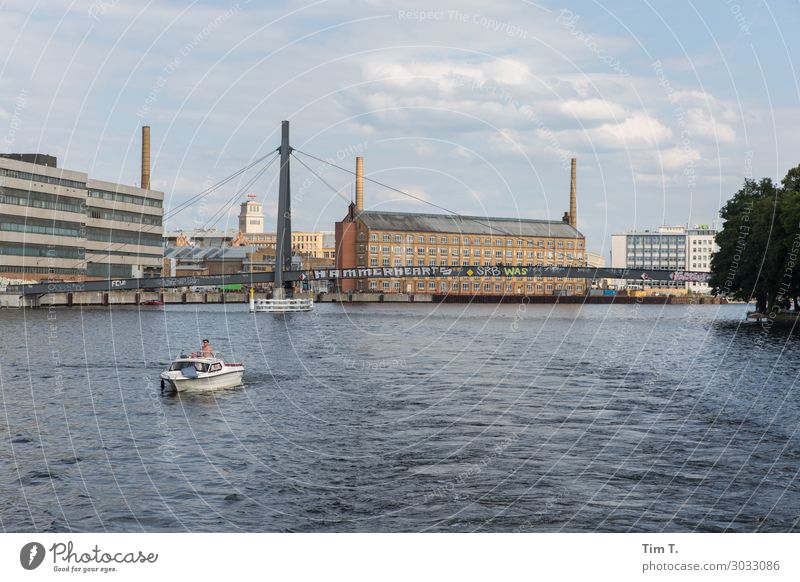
(199, 366)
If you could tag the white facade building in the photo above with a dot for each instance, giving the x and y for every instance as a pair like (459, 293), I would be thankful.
(672, 248)
(62, 224)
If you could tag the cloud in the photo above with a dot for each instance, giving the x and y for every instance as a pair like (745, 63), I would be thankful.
(591, 109)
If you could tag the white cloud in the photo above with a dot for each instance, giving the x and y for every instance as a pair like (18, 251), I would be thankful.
(591, 109)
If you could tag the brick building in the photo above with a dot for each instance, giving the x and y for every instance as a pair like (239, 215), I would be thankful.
(394, 239)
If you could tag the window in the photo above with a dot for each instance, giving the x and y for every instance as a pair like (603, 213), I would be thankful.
(455, 240)
(498, 287)
(420, 251)
(487, 287)
(443, 252)
(487, 253)
(443, 286)
(432, 285)
(509, 243)
(409, 250)
(476, 286)
(373, 262)
(385, 249)
(444, 240)
(385, 238)
(398, 262)
(385, 262)
(373, 237)
(409, 262)
(409, 238)
(373, 248)
(396, 285)
(421, 239)
(373, 284)
(421, 285)
(498, 254)
(432, 240)
(398, 249)
(432, 251)
(398, 238)
(509, 287)
(465, 286)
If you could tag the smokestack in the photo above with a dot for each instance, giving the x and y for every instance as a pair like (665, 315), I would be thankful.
(145, 157)
(573, 201)
(359, 184)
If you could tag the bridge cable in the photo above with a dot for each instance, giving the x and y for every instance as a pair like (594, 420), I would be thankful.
(334, 190)
(186, 203)
(232, 200)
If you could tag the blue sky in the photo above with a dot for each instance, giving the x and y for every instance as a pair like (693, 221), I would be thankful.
(474, 106)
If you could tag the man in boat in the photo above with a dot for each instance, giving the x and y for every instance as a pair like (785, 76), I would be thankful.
(207, 350)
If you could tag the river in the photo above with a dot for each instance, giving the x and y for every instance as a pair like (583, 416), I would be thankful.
(512, 418)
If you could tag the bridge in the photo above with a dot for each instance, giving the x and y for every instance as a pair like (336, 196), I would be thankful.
(283, 277)
(252, 279)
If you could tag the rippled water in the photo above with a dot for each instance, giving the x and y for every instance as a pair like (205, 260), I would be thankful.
(402, 418)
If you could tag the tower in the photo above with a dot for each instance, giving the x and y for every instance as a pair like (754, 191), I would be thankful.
(251, 217)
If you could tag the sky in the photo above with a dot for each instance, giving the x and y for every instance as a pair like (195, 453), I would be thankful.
(475, 107)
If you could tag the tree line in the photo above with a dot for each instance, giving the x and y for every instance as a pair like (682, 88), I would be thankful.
(759, 244)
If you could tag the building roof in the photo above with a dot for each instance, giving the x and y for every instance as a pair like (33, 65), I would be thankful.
(481, 225)
(207, 253)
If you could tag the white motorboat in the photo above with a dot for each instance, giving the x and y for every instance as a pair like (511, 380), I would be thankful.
(201, 373)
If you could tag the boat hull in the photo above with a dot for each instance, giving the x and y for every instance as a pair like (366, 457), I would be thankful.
(220, 381)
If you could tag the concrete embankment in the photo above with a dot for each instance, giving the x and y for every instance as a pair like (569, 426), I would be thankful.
(100, 298)
(544, 299)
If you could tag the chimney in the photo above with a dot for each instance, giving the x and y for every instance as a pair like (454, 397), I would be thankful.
(359, 184)
(145, 183)
(573, 202)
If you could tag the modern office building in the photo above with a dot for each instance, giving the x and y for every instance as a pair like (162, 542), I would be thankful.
(673, 248)
(393, 239)
(58, 224)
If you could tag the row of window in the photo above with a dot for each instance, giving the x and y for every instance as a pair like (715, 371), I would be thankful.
(385, 262)
(111, 235)
(107, 271)
(29, 250)
(122, 254)
(468, 252)
(123, 216)
(41, 200)
(127, 198)
(32, 225)
(41, 178)
(474, 241)
(445, 286)
(42, 270)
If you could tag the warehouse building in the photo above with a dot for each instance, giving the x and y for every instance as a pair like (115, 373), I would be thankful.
(394, 239)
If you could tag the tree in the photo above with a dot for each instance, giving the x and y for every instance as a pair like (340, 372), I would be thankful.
(759, 244)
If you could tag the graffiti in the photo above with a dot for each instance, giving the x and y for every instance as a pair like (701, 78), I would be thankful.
(690, 276)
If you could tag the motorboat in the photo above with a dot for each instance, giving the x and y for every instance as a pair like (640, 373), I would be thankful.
(201, 372)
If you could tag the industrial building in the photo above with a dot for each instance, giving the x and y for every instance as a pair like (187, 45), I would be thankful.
(392, 239)
(674, 248)
(59, 224)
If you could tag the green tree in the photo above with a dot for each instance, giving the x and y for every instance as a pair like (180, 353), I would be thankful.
(759, 244)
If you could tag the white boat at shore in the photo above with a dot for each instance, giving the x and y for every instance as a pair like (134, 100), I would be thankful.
(201, 373)
(281, 305)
